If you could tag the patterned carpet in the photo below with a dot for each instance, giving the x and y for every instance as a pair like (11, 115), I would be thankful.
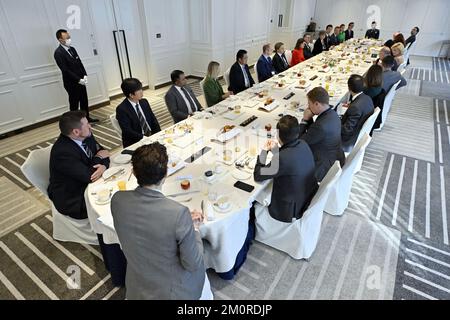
(392, 242)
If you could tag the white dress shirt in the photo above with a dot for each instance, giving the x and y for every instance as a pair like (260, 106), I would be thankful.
(190, 111)
(80, 144)
(142, 112)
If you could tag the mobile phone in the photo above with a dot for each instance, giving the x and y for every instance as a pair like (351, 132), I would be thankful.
(243, 186)
(198, 155)
(313, 78)
(374, 55)
(290, 95)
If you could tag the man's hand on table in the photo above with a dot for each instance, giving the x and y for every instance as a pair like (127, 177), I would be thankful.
(100, 169)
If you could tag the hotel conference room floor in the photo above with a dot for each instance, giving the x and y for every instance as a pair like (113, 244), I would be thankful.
(392, 242)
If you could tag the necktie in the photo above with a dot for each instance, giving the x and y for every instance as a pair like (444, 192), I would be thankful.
(188, 97)
(351, 98)
(269, 59)
(88, 150)
(283, 57)
(72, 52)
(246, 79)
(143, 122)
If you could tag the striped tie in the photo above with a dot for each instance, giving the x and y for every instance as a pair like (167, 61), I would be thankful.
(144, 125)
(88, 150)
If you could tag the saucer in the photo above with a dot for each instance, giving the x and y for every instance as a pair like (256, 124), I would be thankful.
(99, 203)
(122, 159)
(225, 210)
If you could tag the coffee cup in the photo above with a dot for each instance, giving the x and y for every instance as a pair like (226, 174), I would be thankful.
(104, 195)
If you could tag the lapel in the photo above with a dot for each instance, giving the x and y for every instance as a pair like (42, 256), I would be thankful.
(77, 148)
(131, 111)
(180, 97)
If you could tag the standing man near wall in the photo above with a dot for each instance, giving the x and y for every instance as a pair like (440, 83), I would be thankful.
(73, 73)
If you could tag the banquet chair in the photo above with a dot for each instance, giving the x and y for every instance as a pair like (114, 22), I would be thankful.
(402, 67)
(256, 72)
(340, 192)
(226, 76)
(37, 170)
(288, 54)
(202, 83)
(116, 124)
(388, 104)
(299, 238)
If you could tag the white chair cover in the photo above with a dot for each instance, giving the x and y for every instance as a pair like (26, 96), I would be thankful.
(340, 192)
(226, 76)
(299, 238)
(36, 169)
(288, 54)
(202, 83)
(388, 103)
(116, 124)
(367, 127)
(256, 72)
(402, 67)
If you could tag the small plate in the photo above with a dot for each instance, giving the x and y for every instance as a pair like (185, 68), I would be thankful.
(226, 210)
(122, 159)
(99, 203)
(241, 175)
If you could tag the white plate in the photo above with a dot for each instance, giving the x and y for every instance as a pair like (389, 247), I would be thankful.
(198, 115)
(241, 175)
(226, 210)
(182, 199)
(99, 203)
(113, 172)
(122, 159)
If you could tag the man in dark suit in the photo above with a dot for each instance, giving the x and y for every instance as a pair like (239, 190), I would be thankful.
(324, 135)
(412, 38)
(73, 72)
(333, 40)
(76, 160)
(349, 33)
(280, 62)
(240, 77)
(294, 185)
(329, 32)
(180, 99)
(391, 77)
(373, 33)
(359, 109)
(136, 118)
(265, 67)
(307, 50)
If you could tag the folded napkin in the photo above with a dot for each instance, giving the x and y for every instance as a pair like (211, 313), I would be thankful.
(224, 137)
(208, 211)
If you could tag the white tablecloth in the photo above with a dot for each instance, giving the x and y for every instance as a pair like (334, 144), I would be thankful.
(225, 236)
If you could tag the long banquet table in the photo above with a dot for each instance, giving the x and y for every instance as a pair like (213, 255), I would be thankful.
(224, 233)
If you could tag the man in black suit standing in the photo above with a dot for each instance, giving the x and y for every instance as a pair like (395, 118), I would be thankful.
(135, 117)
(240, 77)
(180, 99)
(360, 108)
(73, 72)
(76, 160)
(279, 61)
(294, 185)
(373, 33)
(349, 33)
(324, 135)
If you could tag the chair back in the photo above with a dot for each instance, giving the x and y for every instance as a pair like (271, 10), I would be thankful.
(226, 76)
(37, 169)
(115, 124)
(368, 125)
(256, 72)
(202, 83)
(402, 67)
(388, 103)
(288, 54)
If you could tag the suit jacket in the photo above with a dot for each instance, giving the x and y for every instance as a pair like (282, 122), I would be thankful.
(349, 34)
(411, 40)
(333, 41)
(319, 47)
(392, 77)
(353, 120)
(177, 106)
(129, 121)
(164, 253)
(373, 34)
(213, 91)
(237, 80)
(70, 174)
(324, 138)
(307, 52)
(278, 63)
(265, 69)
(71, 67)
(294, 185)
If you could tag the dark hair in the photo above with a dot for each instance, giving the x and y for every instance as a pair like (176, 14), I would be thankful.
(351, 24)
(356, 83)
(374, 22)
(322, 33)
(342, 25)
(299, 43)
(288, 129)
(70, 121)
(399, 38)
(374, 77)
(150, 164)
(265, 47)
(417, 29)
(320, 95)
(59, 33)
(329, 26)
(130, 86)
(278, 45)
(388, 62)
(175, 75)
(241, 53)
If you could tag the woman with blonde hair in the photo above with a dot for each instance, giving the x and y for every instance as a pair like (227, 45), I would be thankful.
(398, 50)
(213, 90)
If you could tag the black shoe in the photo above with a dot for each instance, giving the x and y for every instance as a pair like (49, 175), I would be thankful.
(92, 120)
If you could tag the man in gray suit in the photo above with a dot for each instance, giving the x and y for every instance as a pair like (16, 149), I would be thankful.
(391, 77)
(324, 135)
(292, 170)
(163, 251)
(360, 108)
(180, 99)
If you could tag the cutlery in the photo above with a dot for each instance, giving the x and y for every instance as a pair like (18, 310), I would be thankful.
(113, 176)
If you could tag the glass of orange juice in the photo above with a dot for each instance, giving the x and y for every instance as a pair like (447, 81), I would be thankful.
(122, 185)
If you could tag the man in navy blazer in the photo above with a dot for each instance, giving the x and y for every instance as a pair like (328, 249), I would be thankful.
(135, 117)
(265, 67)
(240, 77)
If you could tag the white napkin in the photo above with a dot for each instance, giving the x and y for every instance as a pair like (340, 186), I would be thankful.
(208, 211)
(229, 135)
